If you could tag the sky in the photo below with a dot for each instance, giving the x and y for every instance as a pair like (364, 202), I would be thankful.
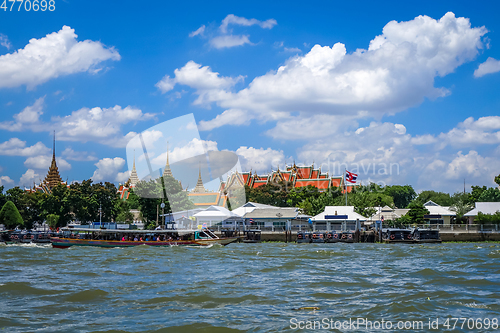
(399, 93)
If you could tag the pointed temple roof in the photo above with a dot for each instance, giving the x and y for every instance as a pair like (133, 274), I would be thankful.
(199, 188)
(53, 178)
(167, 171)
(134, 179)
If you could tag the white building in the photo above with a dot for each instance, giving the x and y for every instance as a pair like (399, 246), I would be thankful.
(438, 214)
(213, 215)
(483, 207)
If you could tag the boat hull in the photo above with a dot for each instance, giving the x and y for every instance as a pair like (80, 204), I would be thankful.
(63, 243)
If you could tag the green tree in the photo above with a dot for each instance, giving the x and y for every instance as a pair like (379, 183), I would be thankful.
(487, 218)
(491, 194)
(28, 205)
(461, 205)
(401, 195)
(53, 221)
(443, 199)
(497, 180)
(175, 197)
(9, 216)
(417, 212)
(122, 211)
(476, 193)
(57, 203)
(3, 198)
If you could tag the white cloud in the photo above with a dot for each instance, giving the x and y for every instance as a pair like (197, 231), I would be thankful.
(101, 125)
(396, 72)
(5, 180)
(489, 66)
(224, 38)
(108, 169)
(28, 118)
(16, 147)
(485, 130)
(72, 155)
(193, 148)
(260, 159)
(165, 84)
(29, 177)
(57, 54)
(232, 117)
(237, 20)
(227, 41)
(208, 84)
(42, 162)
(198, 31)
(4, 41)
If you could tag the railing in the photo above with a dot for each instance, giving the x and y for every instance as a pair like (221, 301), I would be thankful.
(460, 228)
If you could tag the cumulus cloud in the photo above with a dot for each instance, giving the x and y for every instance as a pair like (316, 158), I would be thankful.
(108, 169)
(260, 159)
(489, 66)
(98, 124)
(5, 181)
(17, 147)
(485, 130)
(28, 118)
(209, 85)
(29, 177)
(42, 162)
(72, 155)
(193, 148)
(4, 41)
(395, 72)
(57, 54)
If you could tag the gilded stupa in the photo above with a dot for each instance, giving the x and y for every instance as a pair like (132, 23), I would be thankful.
(167, 171)
(53, 178)
(199, 188)
(134, 179)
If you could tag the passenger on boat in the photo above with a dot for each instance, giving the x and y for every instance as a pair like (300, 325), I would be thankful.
(158, 239)
(123, 238)
(141, 239)
(135, 238)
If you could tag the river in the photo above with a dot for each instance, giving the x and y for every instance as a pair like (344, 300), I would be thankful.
(249, 287)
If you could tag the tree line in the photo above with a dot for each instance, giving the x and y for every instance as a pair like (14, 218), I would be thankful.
(88, 202)
(364, 198)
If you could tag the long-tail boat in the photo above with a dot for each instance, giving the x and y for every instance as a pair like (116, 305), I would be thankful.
(128, 238)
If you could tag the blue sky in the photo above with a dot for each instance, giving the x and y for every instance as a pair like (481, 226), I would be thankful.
(274, 82)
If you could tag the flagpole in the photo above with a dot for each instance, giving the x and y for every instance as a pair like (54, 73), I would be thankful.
(345, 186)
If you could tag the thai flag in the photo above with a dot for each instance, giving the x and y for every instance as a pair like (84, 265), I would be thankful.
(350, 177)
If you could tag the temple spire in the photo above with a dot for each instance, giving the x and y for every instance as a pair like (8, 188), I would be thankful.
(53, 178)
(167, 171)
(134, 179)
(199, 188)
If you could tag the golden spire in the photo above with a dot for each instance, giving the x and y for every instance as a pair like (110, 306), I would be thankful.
(53, 178)
(134, 179)
(167, 171)
(199, 188)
